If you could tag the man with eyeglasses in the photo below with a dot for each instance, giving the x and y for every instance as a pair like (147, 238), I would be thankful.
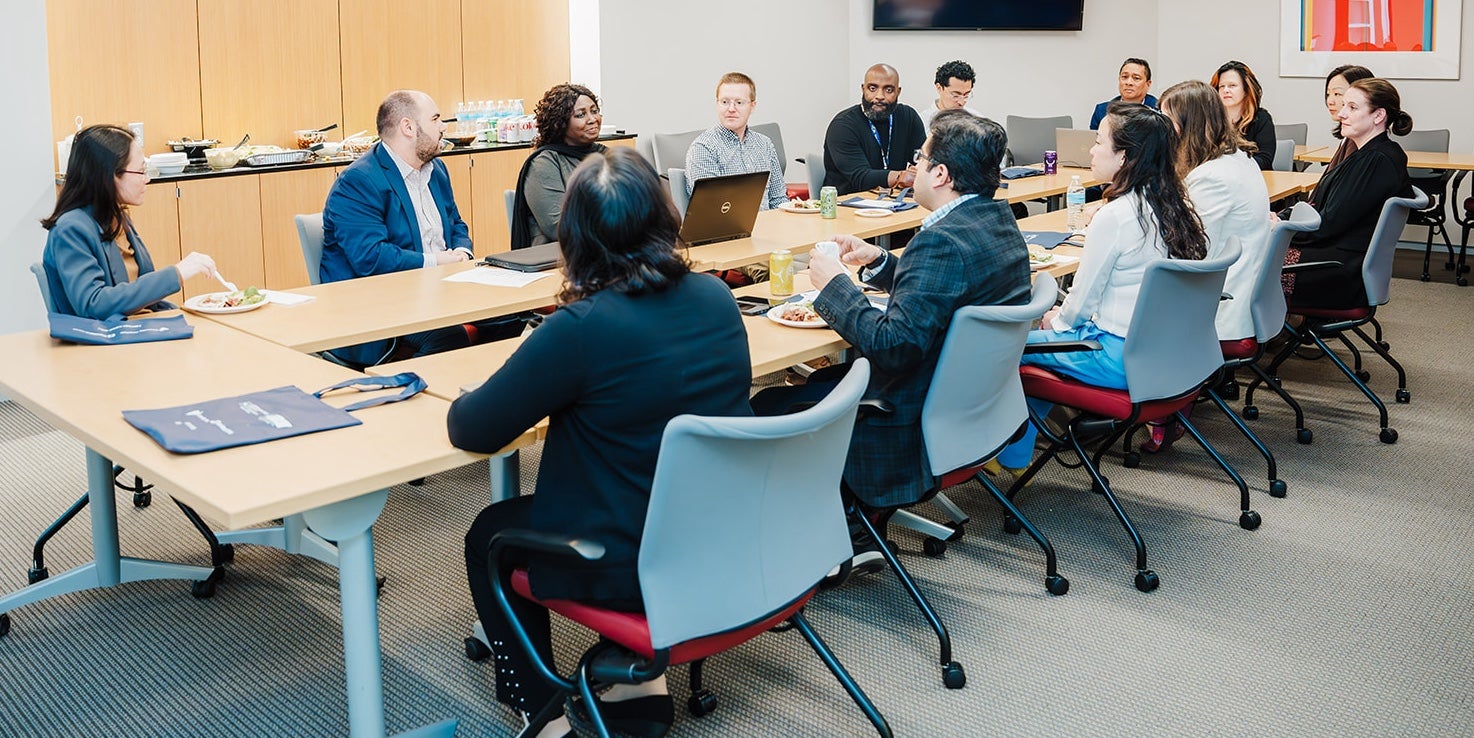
(1133, 82)
(954, 84)
(730, 147)
(969, 252)
(867, 145)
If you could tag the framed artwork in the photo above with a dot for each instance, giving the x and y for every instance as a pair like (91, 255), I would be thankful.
(1397, 39)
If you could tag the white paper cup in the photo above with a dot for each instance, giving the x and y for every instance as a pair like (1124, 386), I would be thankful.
(827, 247)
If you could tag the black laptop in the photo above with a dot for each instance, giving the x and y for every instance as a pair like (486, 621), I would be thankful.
(724, 208)
(538, 258)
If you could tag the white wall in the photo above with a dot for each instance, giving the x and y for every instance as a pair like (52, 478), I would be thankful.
(27, 188)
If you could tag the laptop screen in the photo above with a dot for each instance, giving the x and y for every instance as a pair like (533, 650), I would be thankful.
(723, 208)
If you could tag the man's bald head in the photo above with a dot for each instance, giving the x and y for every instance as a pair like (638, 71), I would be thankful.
(880, 91)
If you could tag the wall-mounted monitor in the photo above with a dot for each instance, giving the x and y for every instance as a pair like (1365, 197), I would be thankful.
(979, 15)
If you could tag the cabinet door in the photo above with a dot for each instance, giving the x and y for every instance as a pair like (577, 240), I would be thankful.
(284, 195)
(157, 222)
(513, 49)
(492, 173)
(377, 56)
(222, 217)
(459, 169)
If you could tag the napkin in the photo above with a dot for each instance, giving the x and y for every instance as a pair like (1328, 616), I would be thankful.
(498, 277)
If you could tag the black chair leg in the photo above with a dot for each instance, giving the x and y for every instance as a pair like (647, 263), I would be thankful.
(1386, 355)
(845, 680)
(1388, 435)
(1248, 518)
(953, 675)
(1146, 579)
(38, 570)
(1277, 486)
(1053, 582)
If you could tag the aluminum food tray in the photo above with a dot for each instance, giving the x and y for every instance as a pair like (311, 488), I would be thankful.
(277, 157)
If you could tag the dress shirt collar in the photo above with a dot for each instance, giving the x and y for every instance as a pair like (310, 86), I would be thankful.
(405, 170)
(942, 211)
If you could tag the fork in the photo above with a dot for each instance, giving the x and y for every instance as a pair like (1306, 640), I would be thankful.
(224, 283)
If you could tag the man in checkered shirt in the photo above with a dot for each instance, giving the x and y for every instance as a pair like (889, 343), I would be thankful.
(731, 147)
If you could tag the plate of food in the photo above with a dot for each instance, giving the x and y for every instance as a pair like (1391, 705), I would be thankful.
(1039, 260)
(221, 303)
(800, 206)
(872, 213)
(796, 315)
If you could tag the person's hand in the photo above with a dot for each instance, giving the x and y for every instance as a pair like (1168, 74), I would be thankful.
(856, 252)
(1273, 217)
(451, 256)
(195, 264)
(1088, 213)
(823, 267)
(907, 178)
(1047, 322)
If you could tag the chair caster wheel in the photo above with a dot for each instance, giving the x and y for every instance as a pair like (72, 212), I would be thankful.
(1251, 412)
(1249, 519)
(227, 553)
(1277, 381)
(1461, 281)
(934, 547)
(36, 574)
(1384, 345)
(957, 533)
(1388, 435)
(701, 703)
(1404, 396)
(4, 624)
(1304, 436)
(1011, 525)
(379, 585)
(1146, 580)
(1426, 278)
(476, 650)
(1278, 488)
(953, 677)
(143, 499)
(1056, 584)
(417, 482)
(1364, 375)
(204, 589)
(1131, 460)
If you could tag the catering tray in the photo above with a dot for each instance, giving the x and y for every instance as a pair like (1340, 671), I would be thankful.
(276, 158)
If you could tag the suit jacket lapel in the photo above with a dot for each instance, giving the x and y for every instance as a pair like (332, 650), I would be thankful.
(390, 171)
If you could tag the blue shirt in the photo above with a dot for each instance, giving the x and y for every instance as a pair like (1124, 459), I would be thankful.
(1100, 110)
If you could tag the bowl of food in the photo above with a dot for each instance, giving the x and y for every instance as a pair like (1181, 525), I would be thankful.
(461, 134)
(222, 158)
(359, 145)
(307, 137)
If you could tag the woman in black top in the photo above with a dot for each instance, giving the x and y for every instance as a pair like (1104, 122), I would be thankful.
(638, 339)
(1240, 92)
(1337, 83)
(568, 126)
(1350, 198)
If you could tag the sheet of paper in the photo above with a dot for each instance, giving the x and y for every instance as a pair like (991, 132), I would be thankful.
(498, 277)
(287, 298)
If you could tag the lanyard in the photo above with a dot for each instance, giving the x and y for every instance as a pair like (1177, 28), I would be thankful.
(411, 382)
(890, 135)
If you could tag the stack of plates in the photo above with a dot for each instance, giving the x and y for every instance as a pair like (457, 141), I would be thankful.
(172, 163)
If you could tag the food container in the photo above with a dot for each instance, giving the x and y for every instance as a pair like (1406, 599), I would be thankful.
(167, 164)
(306, 137)
(276, 158)
(461, 133)
(194, 148)
(359, 146)
(222, 158)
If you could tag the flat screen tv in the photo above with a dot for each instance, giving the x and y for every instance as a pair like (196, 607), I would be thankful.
(979, 15)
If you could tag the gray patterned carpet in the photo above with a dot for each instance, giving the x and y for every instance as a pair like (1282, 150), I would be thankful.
(1347, 613)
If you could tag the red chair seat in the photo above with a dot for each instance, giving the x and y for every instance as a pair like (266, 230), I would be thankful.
(1244, 348)
(953, 478)
(631, 630)
(1356, 313)
(1112, 403)
(800, 191)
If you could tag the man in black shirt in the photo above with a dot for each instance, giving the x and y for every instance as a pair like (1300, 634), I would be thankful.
(870, 145)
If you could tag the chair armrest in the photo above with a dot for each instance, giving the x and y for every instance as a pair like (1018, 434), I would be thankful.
(1061, 347)
(1310, 265)
(529, 540)
(875, 407)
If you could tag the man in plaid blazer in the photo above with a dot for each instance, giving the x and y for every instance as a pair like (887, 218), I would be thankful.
(968, 252)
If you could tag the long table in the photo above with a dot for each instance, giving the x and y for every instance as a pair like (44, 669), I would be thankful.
(328, 479)
(1415, 159)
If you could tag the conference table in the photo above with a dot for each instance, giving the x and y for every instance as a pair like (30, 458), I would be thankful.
(327, 479)
(1415, 159)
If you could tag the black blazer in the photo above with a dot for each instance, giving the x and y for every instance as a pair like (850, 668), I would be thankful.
(610, 370)
(1261, 133)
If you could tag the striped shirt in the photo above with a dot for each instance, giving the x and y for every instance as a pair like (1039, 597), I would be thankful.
(718, 151)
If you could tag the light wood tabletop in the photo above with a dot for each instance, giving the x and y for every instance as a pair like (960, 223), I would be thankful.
(1415, 159)
(1284, 184)
(1302, 151)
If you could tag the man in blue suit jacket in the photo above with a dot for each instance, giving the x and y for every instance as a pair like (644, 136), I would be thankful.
(394, 210)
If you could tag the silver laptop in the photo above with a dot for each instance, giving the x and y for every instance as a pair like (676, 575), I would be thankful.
(1073, 147)
(723, 208)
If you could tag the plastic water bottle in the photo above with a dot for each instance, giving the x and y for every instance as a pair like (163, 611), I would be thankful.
(1075, 205)
(517, 108)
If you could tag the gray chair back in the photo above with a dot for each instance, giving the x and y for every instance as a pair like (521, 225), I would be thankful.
(670, 148)
(1296, 132)
(510, 198)
(39, 270)
(644, 148)
(814, 166)
(976, 400)
(1172, 344)
(745, 514)
(1376, 269)
(309, 232)
(1429, 140)
(1284, 155)
(1029, 138)
(772, 131)
(1268, 308)
(676, 180)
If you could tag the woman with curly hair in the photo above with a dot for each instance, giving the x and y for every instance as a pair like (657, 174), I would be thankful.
(568, 123)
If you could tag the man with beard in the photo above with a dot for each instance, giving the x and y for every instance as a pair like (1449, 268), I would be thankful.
(870, 145)
(393, 210)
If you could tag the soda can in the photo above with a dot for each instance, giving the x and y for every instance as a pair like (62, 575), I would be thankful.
(780, 273)
(1051, 161)
(828, 202)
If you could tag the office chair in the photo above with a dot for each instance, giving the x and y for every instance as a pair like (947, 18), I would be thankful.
(744, 521)
(793, 189)
(1320, 324)
(676, 182)
(1466, 222)
(1295, 132)
(814, 167)
(309, 234)
(670, 148)
(509, 198)
(1171, 351)
(1434, 183)
(1029, 138)
(1284, 155)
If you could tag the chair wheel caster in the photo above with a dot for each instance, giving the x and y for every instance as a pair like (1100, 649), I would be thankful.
(1303, 436)
(1461, 281)
(1404, 396)
(1011, 525)
(4, 624)
(204, 589)
(1249, 519)
(957, 533)
(953, 677)
(1251, 412)
(1388, 435)
(1278, 488)
(476, 650)
(227, 553)
(1131, 460)
(1426, 278)
(701, 703)
(379, 585)
(1364, 375)
(36, 574)
(934, 547)
(1056, 584)
(1146, 580)
(143, 499)
(417, 482)
(1384, 345)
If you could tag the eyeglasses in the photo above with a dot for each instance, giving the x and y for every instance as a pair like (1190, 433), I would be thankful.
(728, 102)
(142, 173)
(918, 155)
(959, 96)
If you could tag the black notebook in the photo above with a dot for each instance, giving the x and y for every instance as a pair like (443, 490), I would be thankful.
(538, 258)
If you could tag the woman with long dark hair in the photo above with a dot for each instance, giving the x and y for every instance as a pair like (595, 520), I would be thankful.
(1242, 97)
(632, 315)
(96, 263)
(1146, 217)
(1337, 82)
(568, 125)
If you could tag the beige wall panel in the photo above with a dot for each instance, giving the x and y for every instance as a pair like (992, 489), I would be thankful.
(157, 222)
(222, 217)
(284, 195)
(268, 67)
(459, 169)
(513, 49)
(120, 61)
(492, 173)
(379, 57)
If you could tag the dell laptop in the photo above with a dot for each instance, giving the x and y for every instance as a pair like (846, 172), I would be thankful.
(723, 208)
(1073, 147)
